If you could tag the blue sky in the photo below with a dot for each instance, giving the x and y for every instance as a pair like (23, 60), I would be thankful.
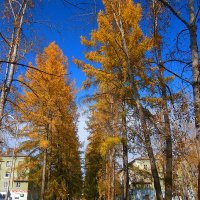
(64, 24)
(67, 27)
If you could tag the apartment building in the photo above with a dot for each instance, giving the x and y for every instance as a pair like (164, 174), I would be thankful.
(13, 178)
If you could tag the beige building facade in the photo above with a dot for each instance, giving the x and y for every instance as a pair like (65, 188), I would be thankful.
(13, 178)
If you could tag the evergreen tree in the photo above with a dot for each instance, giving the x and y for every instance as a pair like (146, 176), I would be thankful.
(93, 164)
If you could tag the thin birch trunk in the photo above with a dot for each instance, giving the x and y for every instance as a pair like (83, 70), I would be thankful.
(196, 78)
(113, 175)
(168, 140)
(44, 175)
(149, 148)
(12, 58)
(109, 176)
(45, 172)
(125, 157)
(125, 173)
(107, 191)
(139, 109)
(168, 148)
(167, 132)
(192, 27)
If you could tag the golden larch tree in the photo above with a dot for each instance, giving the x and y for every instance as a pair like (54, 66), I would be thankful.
(49, 112)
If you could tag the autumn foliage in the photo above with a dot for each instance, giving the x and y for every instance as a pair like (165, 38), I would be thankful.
(50, 135)
(143, 102)
(131, 100)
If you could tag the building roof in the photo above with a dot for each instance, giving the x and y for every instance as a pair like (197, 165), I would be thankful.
(139, 158)
(143, 158)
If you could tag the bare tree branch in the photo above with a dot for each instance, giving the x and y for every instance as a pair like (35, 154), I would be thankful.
(168, 70)
(175, 74)
(76, 5)
(5, 40)
(197, 13)
(176, 60)
(11, 7)
(177, 39)
(23, 83)
(166, 4)
(187, 65)
(14, 104)
(31, 67)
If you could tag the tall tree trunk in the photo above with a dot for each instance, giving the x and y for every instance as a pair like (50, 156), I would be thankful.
(12, 57)
(125, 156)
(107, 178)
(196, 78)
(44, 175)
(167, 132)
(110, 175)
(139, 107)
(113, 175)
(46, 172)
(195, 67)
(168, 148)
(168, 137)
(125, 172)
(149, 149)
(136, 97)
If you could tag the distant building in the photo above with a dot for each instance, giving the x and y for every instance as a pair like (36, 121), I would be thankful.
(141, 186)
(13, 180)
(141, 181)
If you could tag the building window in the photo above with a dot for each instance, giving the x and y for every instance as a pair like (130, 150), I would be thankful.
(20, 163)
(7, 174)
(9, 164)
(145, 167)
(18, 184)
(147, 185)
(5, 185)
